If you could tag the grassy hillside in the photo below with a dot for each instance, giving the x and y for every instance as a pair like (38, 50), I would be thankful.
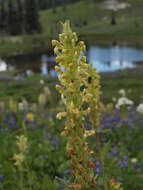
(89, 19)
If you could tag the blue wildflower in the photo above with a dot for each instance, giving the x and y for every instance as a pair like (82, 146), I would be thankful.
(114, 152)
(138, 164)
(97, 163)
(125, 158)
(48, 136)
(68, 171)
(123, 164)
(1, 177)
(97, 171)
(55, 141)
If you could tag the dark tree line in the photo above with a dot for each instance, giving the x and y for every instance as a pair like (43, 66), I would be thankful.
(47, 4)
(19, 17)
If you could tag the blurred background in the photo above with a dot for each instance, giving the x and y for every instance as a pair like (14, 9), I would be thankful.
(111, 29)
(29, 102)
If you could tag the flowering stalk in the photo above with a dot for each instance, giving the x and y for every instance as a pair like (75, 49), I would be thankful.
(20, 158)
(93, 90)
(72, 79)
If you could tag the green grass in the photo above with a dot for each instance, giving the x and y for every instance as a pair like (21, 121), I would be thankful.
(89, 19)
(110, 85)
(26, 89)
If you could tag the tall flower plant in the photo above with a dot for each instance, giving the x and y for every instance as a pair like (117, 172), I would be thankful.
(75, 94)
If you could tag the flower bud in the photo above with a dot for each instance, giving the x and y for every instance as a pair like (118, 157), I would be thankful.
(42, 100)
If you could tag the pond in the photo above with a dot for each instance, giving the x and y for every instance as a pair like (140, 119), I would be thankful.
(103, 58)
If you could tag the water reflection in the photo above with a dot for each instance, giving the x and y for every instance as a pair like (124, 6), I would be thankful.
(104, 59)
(113, 58)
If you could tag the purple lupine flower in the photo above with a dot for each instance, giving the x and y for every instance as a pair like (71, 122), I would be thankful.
(125, 164)
(108, 156)
(114, 152)
(97, 163)
(125, 158)
(138, 164)
(120, 179)
(121, 165)
(1, 177)
(48, 136)
(97, 171)
(55, 141)
(68, 171)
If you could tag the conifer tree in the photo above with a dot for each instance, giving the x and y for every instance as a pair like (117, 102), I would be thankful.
(31, 18)
(11, 19)
(3, 17)
(20, 17)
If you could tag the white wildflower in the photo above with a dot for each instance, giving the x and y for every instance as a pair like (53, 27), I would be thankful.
(123, 101)
(122, 92)
(42, 82)
(42, 99)
(114, 99)
(134, 160)
(20, 106)
(47, 91)
(29, 72)
(25, 103)
(140, 108)
(34, 107)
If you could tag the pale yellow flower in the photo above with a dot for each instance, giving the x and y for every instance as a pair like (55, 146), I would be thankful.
(19, 158)
(30, 116)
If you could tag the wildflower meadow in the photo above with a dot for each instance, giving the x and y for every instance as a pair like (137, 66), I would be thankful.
(73, 141)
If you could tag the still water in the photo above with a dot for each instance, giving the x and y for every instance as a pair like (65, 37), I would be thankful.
(103, 58)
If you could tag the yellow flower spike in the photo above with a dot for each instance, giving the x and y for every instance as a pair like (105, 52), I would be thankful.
(22, 143)
(25, 103)
(34, 107)
(42, 100)
(71, 67)
(81, 45)
(56, 51)
(83, 59)
(64, 133)
(61, 115)
(73, 42)
(12, 105)
(66, 27)
(87, 111)
(57, 44)
(59, 59)
(47, 91)
(89, 133)
(74, 36)
(58, 69)
(74, 76)
(63, 99)
(19, 159)
(60, 89)
(30, 117)
(72, 87)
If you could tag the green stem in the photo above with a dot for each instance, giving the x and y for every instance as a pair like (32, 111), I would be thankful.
(21, 178)
(101, 161)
